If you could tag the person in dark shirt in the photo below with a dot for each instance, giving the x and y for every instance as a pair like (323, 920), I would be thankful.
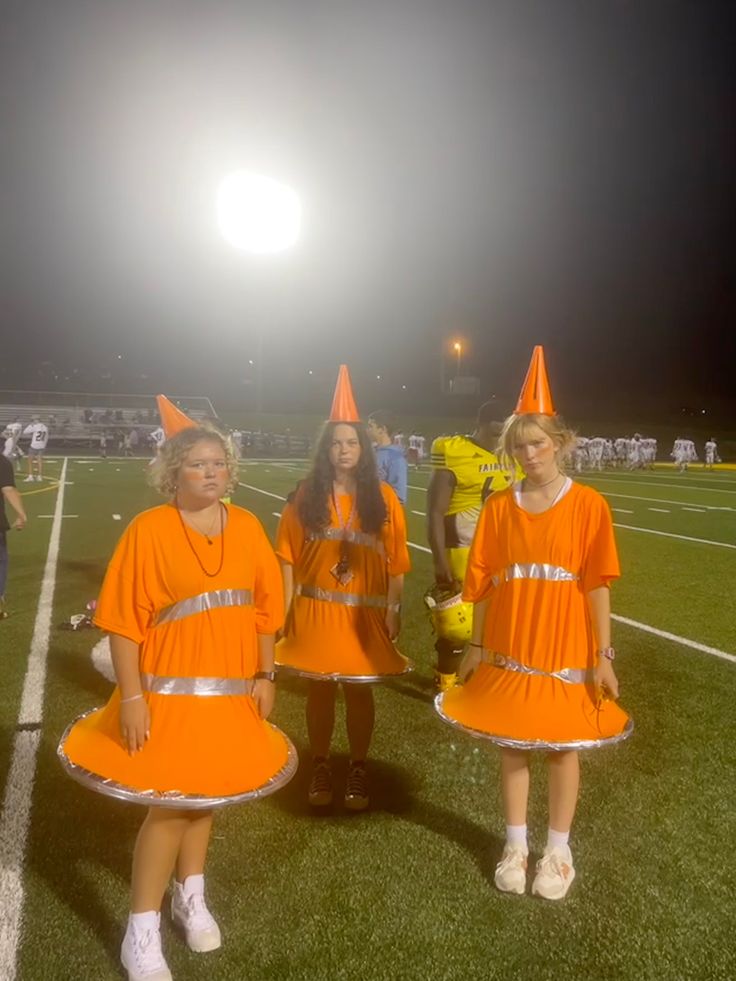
(11, 495)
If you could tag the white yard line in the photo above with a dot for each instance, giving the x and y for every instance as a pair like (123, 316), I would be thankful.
(422, 514)
(660, 500)
(656, 483)
(666, 635)
(16, 812)
(419, 548)
(258, 490)
(660, 510)
(414, 487)
(668, 534)
(697, 510)
(621, 511)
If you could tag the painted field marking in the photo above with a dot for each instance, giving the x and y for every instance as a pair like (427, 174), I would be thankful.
(53, 516)
(621, 511)
(117, 517)
(414, 487)
(655, 483)
(668, 534)
(16, 812)
(666, 635)
(423, 514)
(697, 510)
(279, 497)
(659, 500)
(276, 514)
(419, 548)
(661, 510)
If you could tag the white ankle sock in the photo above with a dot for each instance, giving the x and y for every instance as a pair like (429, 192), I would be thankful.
(193, 884)
(557, 839)
(149, 920)
(516, 835)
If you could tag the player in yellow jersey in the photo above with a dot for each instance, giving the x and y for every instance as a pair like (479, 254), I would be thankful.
(465, 472)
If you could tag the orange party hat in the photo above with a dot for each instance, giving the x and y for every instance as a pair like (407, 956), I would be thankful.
(173, 420)
(344, 408)
(535, 393)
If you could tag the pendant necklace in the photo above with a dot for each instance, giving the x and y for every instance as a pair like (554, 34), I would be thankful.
(218, 570)
(341, 571)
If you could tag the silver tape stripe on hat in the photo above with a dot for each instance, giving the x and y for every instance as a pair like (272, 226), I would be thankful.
(162, 685)
(215, 600)
(340, 535)
(571, 676)
(535, 570)
(346, 599)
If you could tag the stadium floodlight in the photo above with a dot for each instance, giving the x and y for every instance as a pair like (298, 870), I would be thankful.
(258, 214)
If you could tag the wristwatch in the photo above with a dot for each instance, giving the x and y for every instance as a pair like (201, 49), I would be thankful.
(265, 676)
(607, 652)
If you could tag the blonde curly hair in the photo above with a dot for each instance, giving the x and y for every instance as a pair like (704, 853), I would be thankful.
(164, 471)
(518, 427)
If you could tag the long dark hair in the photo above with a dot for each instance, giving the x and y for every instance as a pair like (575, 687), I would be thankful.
(313, 499)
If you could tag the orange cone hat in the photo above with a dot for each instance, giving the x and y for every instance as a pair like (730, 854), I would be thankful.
(173, 420)
(344, 408)
(535, 392)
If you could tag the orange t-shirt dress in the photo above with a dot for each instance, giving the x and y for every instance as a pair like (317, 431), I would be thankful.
(534, 688)
(336, 630)
(198, 643)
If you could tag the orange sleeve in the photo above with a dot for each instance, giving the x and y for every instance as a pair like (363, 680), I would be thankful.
(289, 535)
(481, 561)
(601, 563)
(269, 586)
(124, 606)
(394, 534)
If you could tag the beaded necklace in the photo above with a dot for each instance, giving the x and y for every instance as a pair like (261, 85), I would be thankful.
(190, 543)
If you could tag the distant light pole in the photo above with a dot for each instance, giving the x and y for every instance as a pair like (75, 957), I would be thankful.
(263, 217)
(458, 348)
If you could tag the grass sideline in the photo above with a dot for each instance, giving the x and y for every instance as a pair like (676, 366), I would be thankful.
(406, 890)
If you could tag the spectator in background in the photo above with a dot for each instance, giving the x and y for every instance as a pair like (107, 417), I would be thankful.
(11, 495)
(390, 459)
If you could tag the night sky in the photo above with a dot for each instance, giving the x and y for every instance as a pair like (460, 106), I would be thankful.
(508, 173)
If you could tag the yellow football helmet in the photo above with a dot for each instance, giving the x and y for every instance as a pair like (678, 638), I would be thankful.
(451, 617)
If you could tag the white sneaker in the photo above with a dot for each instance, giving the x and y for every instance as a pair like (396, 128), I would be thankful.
(39, 479)
(189, 912)
(511, 870)
(29, 479)
(141, 954)
(555, 873)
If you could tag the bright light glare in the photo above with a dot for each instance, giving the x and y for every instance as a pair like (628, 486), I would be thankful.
(458, 347)
(258, 214)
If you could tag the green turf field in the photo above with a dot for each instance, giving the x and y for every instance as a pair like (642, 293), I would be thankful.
(404, 891)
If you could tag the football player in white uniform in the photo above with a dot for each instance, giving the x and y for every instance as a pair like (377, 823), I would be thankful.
(39, 438)
(711, 454)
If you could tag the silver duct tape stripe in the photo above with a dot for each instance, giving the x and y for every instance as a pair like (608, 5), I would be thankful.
(571, 676)
(531, 744)
(214, 600)
(348, 679)
(173, 799)
(345, 599)
(535, 570)
(162, 685)
(355, 537)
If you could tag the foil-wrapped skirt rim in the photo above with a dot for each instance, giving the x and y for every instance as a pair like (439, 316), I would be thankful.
(352, 679)
(533, 744)
(173, 799)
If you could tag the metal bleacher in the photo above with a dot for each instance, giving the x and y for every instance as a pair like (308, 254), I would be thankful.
(79, 420)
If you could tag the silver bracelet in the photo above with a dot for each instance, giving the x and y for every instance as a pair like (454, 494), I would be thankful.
(133, 698)
(394, 607)
(608, 652)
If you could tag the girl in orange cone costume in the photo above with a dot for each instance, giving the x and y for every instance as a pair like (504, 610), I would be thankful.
(192, 600)
(342, 545)
(539, 666)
